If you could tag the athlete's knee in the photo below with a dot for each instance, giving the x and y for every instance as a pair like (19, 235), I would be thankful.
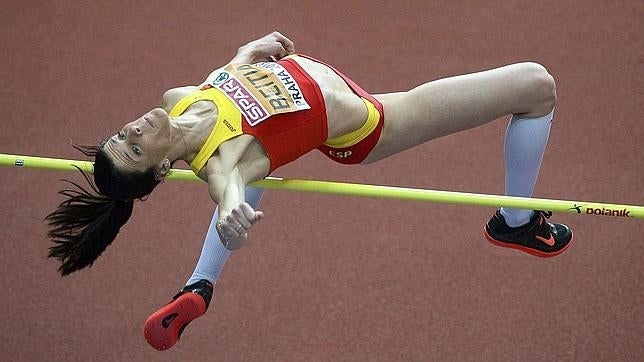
(542, 88)
(545, 82)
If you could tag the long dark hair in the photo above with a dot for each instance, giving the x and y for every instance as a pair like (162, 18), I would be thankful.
(87, 221)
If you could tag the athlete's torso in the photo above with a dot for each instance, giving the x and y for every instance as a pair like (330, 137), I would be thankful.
(343, 111)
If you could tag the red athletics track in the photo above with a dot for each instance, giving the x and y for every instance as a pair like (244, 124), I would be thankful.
(329, 278)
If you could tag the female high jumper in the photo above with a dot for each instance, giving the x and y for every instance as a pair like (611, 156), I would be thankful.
(269, 106)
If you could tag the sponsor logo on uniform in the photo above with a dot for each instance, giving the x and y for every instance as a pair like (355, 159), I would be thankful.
(247, 104)
(260, 90)
(220, 78)
(265, 87)
(230, 127)
(287, 82)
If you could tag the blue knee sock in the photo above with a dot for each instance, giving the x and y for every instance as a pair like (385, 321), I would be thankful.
(525, 144)
(214, 254)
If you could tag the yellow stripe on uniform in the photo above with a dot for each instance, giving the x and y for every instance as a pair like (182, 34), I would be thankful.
(350, 139)
(227, 125)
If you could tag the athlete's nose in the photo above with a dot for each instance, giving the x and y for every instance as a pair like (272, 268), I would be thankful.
(135, 130)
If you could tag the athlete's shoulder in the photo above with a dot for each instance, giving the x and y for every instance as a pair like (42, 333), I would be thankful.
(174, 95)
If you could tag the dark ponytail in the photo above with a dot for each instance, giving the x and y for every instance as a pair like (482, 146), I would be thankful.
(84, 224)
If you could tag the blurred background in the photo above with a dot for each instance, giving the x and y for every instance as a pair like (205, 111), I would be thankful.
(328, 277)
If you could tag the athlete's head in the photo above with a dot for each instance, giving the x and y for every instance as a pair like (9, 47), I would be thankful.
(127, 166)
(142, 145)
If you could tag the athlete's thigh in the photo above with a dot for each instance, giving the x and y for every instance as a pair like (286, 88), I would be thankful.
(454, 104)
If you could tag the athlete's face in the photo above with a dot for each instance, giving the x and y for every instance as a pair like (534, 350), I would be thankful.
(143, 143)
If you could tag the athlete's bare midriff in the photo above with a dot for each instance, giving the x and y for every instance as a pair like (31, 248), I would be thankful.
(345, 110)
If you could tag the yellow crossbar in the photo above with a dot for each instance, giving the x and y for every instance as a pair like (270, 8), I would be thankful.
(376, 191)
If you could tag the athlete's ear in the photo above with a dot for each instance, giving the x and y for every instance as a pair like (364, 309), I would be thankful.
(163, 169)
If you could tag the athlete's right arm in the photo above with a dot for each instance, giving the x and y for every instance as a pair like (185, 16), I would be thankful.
(270, 47)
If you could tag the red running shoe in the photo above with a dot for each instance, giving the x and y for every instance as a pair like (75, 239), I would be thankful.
(163, 328)
(538, 237)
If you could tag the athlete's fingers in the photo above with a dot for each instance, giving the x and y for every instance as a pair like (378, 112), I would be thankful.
(233, 228)
(277, 50)
(230, 236)
(248, 211)
(237, 223)
(226, 230)
(251, 215)
(265, 51)
(230, 225)
(259, 215)
(240, 217)
(288, 45)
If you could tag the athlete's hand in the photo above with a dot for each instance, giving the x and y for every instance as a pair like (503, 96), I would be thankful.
(233, 229)
(267, 48)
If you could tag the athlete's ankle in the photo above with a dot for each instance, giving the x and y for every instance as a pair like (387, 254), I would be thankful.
(515, 218)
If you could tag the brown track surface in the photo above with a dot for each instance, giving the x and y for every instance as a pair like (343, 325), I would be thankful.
(330, 278)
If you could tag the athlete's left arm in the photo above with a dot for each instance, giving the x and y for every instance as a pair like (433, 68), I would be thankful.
(227, 183)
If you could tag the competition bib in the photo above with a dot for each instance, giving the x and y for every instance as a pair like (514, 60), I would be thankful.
(259, 90)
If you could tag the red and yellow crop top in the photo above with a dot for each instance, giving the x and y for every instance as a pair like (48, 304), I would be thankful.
(277, 103)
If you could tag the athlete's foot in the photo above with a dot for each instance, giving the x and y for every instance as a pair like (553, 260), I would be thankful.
(538, 237)
(163, 328)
